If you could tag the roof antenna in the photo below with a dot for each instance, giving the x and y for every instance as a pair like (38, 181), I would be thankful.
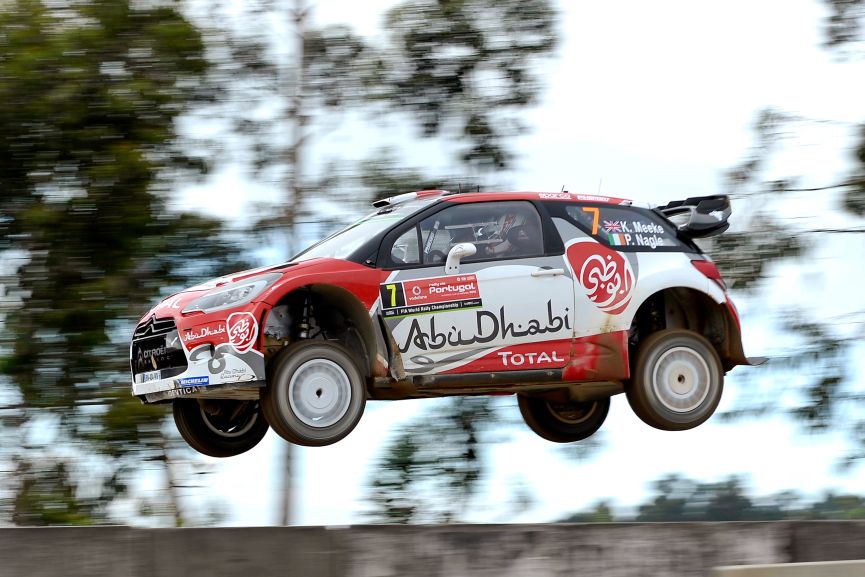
(459, 188)
(479, 188)
(600, 182)
(563, 188)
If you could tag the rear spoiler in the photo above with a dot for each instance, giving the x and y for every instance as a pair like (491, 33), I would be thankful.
(699, 216)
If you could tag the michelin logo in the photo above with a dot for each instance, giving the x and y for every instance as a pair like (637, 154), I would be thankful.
(194, 382)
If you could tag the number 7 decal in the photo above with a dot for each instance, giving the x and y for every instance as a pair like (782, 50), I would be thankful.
(596, 215)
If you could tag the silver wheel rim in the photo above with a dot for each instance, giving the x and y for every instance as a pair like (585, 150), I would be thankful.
(239, 432)
(572, 416)
(319, 393)
(681, 379)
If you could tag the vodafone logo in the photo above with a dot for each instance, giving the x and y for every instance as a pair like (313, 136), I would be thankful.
(242, 330)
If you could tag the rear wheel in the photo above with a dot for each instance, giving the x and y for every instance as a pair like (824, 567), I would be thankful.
(563, 422)
(219, 427)
(677, 380)
(315, 393)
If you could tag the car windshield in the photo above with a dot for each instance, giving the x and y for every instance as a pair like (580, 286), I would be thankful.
(345, 242)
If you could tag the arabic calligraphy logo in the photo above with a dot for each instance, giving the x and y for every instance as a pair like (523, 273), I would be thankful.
(604, 274)
(242, 330)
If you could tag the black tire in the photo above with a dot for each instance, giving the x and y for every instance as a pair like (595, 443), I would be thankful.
(220, 427)
(563, 422)
(677, 380)
(315, 393)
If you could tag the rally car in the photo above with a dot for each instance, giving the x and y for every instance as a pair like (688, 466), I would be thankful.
(562, 299)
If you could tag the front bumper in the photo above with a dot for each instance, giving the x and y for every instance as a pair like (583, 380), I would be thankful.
(202, 356)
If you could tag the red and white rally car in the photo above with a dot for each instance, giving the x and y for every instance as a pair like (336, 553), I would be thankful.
(563, 299)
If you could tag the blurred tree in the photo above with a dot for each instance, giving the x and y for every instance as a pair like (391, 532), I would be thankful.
(430, 470)
(462, 70)
(854, 197)
(844, 25)
(601, 512)
(392, 491)
(676, 498)
(670, 500)
(91, 94)
(49, 495)
(467, 64)
(822, 374)
(280, 81)
(838, 507)
(386, 176)
(466, 68)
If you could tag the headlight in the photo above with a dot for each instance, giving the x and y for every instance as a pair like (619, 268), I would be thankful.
(232, 295)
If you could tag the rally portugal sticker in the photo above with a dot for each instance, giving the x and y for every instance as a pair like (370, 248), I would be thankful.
(429, 295)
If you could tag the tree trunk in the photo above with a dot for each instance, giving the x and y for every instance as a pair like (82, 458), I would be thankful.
(294, 199)
(297, 121)
(172, 486)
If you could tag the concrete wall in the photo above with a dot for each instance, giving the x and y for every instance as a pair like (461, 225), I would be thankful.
(614, 550)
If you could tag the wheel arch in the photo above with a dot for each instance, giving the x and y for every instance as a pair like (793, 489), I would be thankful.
(694, 310)
(329, 299)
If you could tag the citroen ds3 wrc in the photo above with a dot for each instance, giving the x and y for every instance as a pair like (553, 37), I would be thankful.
(562, 299)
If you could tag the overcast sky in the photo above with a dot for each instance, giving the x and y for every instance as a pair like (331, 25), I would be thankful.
(651, 101)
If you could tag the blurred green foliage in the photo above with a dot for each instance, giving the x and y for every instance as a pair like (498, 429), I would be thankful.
(844, 25)
(675, 498)
(854, 199)
(386, 176)
(462, 70)
(814, 380)
(430, 470)
(91, 93)
(819, 375)
(49, 495)
(472, 64)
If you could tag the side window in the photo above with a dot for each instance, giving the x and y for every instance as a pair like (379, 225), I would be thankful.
(567, 230)
(405, 250)
(624, 227)
(499, 230)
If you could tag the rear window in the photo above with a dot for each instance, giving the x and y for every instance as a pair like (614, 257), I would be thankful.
(623, 228)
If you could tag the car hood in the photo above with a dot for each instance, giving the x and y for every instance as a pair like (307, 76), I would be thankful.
(237, 276)
(180, 299)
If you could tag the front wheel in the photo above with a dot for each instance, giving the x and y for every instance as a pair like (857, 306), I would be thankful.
(563, 422)
(677, 380)
(315, 394)
(219, 428)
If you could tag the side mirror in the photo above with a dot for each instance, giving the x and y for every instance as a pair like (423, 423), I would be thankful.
(457, 252)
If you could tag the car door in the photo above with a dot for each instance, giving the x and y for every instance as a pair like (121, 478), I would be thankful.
(509, 307)
(610, 249)
(614, 250)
